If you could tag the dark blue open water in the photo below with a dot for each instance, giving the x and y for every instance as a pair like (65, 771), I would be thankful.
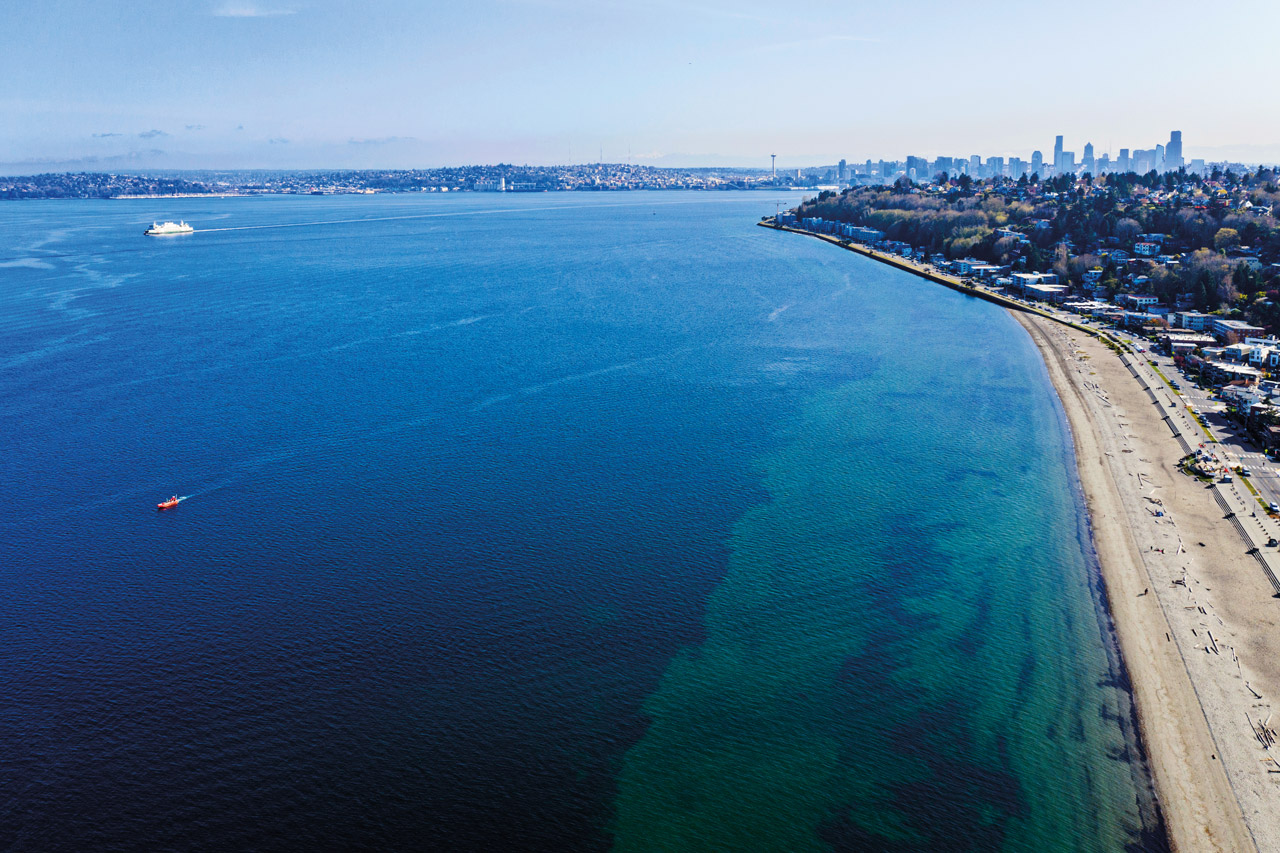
(551, 522)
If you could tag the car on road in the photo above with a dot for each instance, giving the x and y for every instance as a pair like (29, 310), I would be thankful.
(1273, 507)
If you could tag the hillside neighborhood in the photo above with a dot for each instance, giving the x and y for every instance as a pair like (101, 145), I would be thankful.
(1191, 264)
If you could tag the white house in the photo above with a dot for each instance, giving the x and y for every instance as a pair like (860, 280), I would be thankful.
(1141, 301)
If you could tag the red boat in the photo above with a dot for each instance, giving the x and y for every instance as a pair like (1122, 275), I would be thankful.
(169, 504)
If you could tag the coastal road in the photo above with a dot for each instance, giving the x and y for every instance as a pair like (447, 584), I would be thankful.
(1240, 506)
(1234, 445)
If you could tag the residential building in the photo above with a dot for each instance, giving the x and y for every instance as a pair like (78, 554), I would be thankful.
(860, 234)
(1047, 292)
(1023, 280)
(1140, 301)
(1235, 328)
(1194, 320)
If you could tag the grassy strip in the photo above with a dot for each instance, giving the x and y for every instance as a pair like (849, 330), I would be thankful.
(1203, 427)
(1160, 373)
(1250, 487)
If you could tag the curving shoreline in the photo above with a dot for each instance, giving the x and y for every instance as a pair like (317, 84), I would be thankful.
(1168, 602)
(1200, 804)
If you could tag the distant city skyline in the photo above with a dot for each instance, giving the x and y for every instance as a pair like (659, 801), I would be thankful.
(299, 84)
(1162, 157)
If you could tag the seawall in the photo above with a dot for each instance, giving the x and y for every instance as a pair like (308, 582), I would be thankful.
(1214, 792)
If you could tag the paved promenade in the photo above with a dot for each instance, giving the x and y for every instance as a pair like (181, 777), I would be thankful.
(1190, 580)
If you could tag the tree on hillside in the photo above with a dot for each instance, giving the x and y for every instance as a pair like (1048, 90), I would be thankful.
(1061, 263)
(1127, 230)
(1244, 280)
(1226, 238)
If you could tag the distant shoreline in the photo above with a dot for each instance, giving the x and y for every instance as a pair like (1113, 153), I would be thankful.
(452, 192)
(173, 195)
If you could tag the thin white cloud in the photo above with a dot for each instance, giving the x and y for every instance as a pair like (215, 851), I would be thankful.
(249, 10)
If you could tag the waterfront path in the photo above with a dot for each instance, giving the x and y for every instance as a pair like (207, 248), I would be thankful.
(1246, 512)
(1189, 578)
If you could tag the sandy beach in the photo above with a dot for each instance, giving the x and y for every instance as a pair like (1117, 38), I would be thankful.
(1193, 609)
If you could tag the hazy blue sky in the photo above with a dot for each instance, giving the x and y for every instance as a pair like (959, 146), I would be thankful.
(312, 83)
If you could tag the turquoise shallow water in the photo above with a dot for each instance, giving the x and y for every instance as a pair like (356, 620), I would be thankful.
(906, 652)
(535, 522)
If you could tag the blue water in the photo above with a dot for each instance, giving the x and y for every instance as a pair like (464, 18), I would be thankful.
(558, 522)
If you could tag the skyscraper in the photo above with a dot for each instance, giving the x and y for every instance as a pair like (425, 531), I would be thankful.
(840, 171)
(1037, 162)
(1087, 162)
(1064, 162)
(1173, 151)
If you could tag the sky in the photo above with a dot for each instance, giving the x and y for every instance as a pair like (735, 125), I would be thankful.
(246, 84)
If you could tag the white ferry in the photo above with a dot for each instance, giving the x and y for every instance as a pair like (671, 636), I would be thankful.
(167, 228)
